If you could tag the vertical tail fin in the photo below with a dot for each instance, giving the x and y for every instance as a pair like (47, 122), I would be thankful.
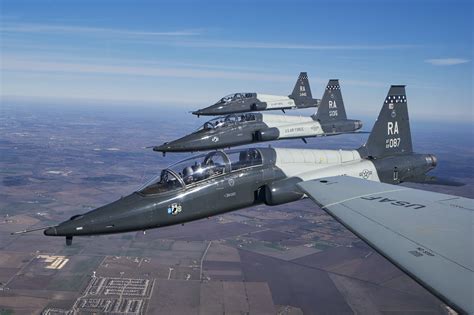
(302, 92)
(391, 132)
(331, 107)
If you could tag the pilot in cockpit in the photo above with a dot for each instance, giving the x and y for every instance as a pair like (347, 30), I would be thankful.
(244, 156)
(198, 171)
(209, 168)
(188, 175)
(249, 157)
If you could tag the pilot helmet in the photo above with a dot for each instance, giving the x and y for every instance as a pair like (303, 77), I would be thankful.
(188, 171)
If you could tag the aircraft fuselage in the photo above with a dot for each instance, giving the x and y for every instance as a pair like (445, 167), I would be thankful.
(245, 178)
(248, 102)
(235, 130)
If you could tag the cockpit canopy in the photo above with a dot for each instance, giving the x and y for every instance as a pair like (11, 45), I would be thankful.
(201, 167)
(235, 97)
(228, 120)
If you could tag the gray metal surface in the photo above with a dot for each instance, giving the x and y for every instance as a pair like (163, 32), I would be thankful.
(429, 235)
(332, 98)
(240, 129)
(391, 132)
(301, 97)
(302, 92)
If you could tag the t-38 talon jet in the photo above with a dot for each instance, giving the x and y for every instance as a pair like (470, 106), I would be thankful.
(239, 129)
(245, 102)
(218, 182)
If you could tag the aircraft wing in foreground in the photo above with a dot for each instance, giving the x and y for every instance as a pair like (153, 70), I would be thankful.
(428, 235)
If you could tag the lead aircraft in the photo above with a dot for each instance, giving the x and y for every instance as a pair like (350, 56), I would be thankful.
(240, 129)
(221, 181)
(245, 102)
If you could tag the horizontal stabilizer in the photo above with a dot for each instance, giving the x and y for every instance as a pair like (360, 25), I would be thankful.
(434, 180)
(345, 133)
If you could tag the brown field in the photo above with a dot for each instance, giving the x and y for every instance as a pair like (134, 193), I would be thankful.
(291, 258)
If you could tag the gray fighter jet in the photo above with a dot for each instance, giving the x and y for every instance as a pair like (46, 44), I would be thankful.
(239, 129)
(245, 102)
(218, 182)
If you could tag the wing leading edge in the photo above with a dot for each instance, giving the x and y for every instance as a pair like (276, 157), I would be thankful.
(428, 235)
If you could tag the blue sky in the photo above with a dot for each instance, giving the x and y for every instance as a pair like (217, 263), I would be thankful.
(191, 53)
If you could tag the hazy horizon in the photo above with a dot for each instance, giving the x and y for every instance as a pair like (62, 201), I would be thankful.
(177, 53)
(186, 108)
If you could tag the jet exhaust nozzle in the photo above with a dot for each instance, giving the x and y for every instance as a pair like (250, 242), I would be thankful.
(432, 160)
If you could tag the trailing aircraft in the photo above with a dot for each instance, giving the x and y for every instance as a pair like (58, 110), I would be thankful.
(245, 102)
(246, 128)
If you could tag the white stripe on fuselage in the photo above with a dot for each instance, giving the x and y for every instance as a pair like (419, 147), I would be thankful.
(293, 126)
(279, 120)
(310, 164)
(276, 101)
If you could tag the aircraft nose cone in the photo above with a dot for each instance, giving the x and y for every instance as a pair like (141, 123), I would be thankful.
(166, 147)
(213, 110)
(51, 231)
(179, 145)
(159, 148)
